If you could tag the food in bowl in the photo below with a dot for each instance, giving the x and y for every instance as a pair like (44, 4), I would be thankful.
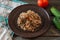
(29, 21)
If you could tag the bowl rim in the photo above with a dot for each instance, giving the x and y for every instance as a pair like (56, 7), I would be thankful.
(14, 30)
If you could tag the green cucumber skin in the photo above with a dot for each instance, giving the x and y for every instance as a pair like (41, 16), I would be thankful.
(57, 23)
(55, 12)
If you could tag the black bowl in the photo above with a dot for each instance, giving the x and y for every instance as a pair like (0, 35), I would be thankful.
(13, 16)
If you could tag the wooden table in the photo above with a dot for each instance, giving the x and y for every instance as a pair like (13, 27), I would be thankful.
(52, 32)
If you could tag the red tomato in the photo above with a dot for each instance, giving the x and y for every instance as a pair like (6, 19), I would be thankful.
(42, 3)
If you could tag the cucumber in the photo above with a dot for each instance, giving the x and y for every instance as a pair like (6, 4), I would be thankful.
(57, 22)
(56, 19)
(55, 12)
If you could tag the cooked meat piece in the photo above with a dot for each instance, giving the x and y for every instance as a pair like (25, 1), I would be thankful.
(29, 20)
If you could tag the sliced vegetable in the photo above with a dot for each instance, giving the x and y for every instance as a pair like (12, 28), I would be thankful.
(57, 22)
(55, 12)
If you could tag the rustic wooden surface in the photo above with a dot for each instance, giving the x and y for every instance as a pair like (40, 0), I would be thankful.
(52, 32)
